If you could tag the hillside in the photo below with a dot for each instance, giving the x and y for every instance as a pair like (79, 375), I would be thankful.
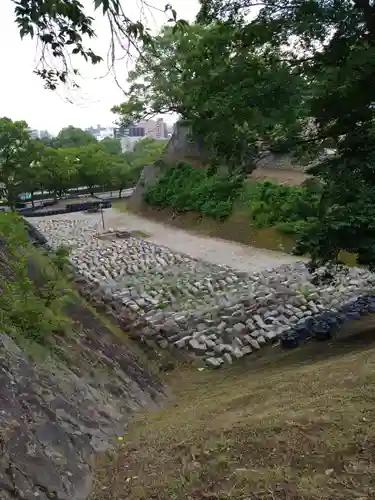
(69, 380)
(294, 426)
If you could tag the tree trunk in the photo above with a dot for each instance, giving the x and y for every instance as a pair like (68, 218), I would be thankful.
(10, 197)
(119, 193)
(32, 199)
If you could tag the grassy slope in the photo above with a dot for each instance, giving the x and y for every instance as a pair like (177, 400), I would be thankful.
(294, 425)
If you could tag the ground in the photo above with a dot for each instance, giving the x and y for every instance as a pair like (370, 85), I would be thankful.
(290, 177)
(290, 425)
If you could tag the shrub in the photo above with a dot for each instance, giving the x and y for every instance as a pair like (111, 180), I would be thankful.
(185, 188)
(288, 208)
(291, 209)
(33, 288)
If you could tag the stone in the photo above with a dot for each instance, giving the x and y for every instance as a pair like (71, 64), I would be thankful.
(214, 362)
(246, 350)
(254, 343)
(227, 358)
(182, 342)
(197, 346)
(269, 335)
(239, 329)
(209, 343)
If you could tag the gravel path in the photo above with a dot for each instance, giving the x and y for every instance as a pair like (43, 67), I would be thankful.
(214, 250)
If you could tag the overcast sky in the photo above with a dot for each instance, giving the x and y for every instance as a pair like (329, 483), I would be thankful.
(23, 97)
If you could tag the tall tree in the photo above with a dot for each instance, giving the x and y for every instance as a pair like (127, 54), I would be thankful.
(238, 101)
(332, 43)
(14, 156)
(73, 137)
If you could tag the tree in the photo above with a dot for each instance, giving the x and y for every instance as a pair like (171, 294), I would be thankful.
(58, 170)
(63, 27)
(32, 175)
(121, 176)
(333, 45)
(73, 137)
(14, 157)
(111, 146)
(239, 102)
(93, 166)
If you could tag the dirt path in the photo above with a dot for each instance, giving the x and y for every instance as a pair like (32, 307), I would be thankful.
(214, 250)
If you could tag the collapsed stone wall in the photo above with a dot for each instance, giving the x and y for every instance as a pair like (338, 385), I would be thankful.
(212, 312)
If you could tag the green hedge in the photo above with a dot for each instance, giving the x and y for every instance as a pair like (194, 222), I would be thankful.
(185, 188)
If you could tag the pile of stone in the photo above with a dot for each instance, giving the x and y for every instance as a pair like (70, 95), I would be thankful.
(214, 312)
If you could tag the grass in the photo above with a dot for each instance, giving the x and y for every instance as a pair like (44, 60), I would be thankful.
(292, 425)
(122, 205)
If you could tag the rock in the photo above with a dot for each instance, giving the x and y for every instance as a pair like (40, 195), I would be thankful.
(246, 350)
(210, 343)
(197, 346)
(269, 335)
(227, 358)
(239, 329)
(52, 420)
(214, 362)
(182, 342)
(254, 343)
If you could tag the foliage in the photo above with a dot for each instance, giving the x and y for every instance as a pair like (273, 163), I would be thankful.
(240, 102)
(291, 75)
(186, 188)
(62, 27)
(111, 146)
(14, 158)
(145, 152)
(73, 137)
(33, 289)
(291, 209)
(333, 45)
(74, 159)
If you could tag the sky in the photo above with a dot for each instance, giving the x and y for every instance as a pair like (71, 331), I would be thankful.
(23, 97)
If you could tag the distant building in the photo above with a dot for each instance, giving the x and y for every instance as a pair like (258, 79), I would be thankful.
(128, 143)
(44, 134)
(155, 129)
(33, 133)
(100, 132)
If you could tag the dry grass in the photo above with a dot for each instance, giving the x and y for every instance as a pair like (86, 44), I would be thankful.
(281, 176)
(294, 425)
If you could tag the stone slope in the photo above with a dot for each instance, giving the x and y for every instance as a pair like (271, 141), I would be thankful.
(57, 413)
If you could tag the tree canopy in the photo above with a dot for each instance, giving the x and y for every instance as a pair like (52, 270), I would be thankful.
(238, 101)
(71, 137)
(70, 161)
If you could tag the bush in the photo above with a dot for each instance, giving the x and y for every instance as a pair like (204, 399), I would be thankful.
(291, 209)
(33, 288)
(186, 188)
